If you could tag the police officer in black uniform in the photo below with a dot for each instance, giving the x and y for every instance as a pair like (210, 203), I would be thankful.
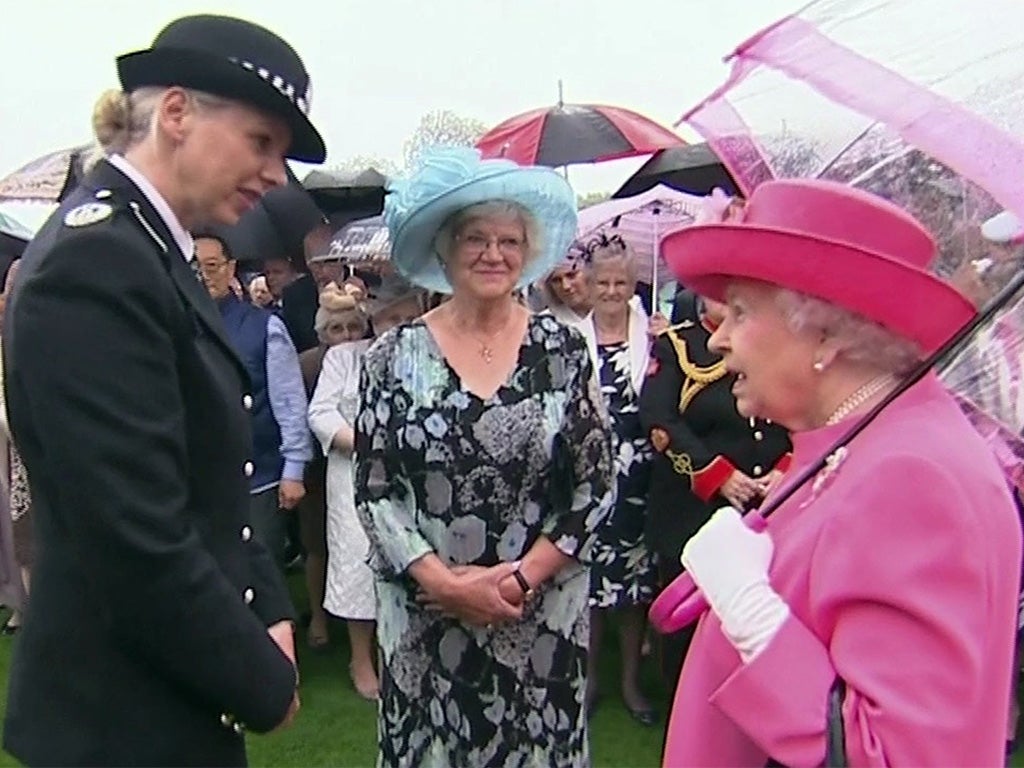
(159, 630)
(706, 454)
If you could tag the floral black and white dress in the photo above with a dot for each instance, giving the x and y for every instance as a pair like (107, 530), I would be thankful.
(440, 470)
(623, 571)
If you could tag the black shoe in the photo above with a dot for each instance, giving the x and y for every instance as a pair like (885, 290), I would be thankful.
(646, 717)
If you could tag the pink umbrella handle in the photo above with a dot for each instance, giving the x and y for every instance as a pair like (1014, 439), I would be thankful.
(681, 602)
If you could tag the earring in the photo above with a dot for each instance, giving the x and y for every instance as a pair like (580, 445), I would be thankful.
(818, 366)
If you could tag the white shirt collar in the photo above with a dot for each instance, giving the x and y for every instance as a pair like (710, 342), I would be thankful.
(181, 236)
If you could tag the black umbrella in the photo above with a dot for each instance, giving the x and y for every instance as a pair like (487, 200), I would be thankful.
(694, 169)
(14, 236)
(275, 227)
(347, 196)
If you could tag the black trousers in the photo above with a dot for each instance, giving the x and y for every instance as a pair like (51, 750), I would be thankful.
(675, 646)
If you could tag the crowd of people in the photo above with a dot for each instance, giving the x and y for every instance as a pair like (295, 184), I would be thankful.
(496, 447)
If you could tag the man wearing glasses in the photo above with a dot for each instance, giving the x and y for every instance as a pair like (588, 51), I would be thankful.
(281, 442)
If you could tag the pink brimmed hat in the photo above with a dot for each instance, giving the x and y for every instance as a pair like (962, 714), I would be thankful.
(830, 241)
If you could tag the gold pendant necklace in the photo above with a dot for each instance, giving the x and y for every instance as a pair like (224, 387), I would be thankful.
(486, 351)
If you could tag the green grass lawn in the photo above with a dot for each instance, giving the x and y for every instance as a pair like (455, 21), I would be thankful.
(337, 728)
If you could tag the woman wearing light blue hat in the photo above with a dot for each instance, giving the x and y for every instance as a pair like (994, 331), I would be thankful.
(483, 471)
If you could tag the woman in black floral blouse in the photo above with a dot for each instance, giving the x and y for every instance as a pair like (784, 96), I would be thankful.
(623, 576)
(483, 470)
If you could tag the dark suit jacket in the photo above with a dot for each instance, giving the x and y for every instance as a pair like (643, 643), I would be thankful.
(299, 302)
(707, 436)
(146, 636)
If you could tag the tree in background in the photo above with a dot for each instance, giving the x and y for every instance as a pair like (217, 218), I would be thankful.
(442, 127)
(359, 163)
(591, 198)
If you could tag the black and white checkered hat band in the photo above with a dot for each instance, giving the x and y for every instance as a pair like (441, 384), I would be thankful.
(285, 88)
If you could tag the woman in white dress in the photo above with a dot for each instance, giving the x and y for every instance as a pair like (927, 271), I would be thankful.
(332, 412)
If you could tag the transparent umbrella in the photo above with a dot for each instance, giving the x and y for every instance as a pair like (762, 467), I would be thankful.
(921, 102)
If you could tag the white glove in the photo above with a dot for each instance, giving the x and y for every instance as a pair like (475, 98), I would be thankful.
(729, 562)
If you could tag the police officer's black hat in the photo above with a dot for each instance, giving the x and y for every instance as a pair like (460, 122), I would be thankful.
(235, 59)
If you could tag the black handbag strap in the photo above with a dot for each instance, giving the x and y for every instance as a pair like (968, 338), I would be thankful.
(835, 730)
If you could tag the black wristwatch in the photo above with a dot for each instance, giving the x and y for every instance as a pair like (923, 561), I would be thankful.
(522, 582)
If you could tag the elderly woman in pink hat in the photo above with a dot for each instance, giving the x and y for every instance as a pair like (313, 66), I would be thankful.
(892, 576)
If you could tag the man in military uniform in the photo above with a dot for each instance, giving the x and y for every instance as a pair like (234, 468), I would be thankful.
(707, 455)
(159, 628)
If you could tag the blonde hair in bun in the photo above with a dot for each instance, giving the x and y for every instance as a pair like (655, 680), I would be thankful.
(121, 120)
(337, 299)
(338, 302)
(111, 118)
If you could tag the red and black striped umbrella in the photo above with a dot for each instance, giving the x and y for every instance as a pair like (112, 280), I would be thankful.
(575, 133)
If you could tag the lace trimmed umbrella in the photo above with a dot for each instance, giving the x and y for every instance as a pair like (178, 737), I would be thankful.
(46, 179)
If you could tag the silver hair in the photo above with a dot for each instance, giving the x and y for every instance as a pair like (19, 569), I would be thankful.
(860, 339)
(612, 253)
(325, 317)
(444, 240)
(122, 120)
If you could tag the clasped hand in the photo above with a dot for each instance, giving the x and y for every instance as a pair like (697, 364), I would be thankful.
(477, 595)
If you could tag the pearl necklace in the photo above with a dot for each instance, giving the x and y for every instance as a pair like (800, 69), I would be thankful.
(859, 397)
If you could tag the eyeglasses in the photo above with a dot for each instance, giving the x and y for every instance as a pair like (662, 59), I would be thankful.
(209, 270)
(476, 244)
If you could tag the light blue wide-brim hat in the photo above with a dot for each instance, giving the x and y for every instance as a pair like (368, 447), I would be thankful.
(452, 178)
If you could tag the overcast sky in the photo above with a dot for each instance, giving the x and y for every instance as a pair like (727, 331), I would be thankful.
(378, 66)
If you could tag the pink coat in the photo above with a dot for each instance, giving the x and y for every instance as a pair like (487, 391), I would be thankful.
(901, 571)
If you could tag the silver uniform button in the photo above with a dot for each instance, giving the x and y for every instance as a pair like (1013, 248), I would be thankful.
(103, 194)
(758, 471)
(227, 720)
(238, 728)
(247, 402)
(248, 469)
(759, 435)
(249, 595)
(246, 533)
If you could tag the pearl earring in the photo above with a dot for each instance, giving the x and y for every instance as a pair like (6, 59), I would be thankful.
(818, 366)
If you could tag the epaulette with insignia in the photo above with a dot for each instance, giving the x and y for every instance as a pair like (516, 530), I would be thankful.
(88, 214)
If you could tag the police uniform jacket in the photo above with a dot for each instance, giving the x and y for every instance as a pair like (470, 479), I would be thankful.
(689, 412)
(146, 641)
